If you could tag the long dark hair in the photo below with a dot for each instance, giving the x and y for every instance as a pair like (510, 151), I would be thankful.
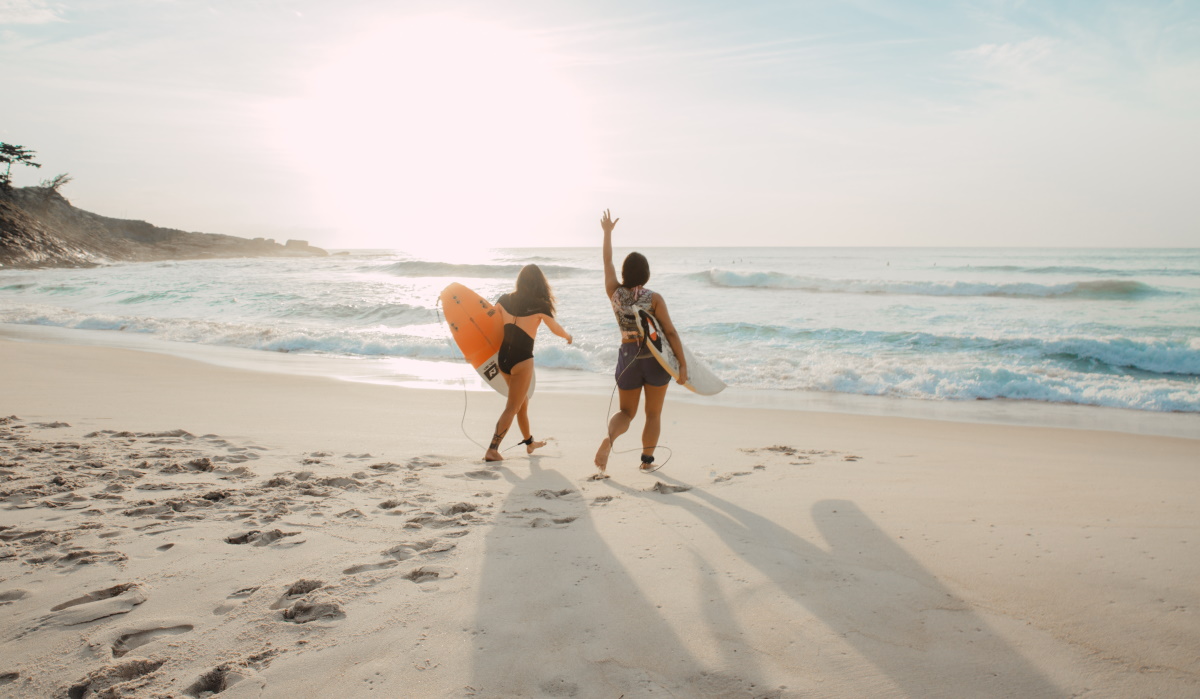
(533, 289)
(635, 271)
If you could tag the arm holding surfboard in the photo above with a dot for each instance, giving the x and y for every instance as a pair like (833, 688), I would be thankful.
(659, 308)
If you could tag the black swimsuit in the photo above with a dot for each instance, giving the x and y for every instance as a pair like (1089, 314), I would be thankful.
(517, 345)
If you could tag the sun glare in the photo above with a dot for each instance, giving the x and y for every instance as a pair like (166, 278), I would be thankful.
(439, 132)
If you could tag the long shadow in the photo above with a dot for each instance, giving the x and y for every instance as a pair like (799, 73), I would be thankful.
(559, 615)
(876, 596)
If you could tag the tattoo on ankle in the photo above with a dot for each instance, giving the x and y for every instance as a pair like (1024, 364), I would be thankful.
(496, 440)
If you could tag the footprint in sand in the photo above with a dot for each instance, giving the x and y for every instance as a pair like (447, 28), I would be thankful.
(542, 523)
(721, 478)
(403, 552)
(241, 595)
(308, 602)
(481, 475)
(214, 681)
(663, 488)
(426, 574)
(313, 607)
(86, 557)
(296, 590)
(95, 684)
(10, 596)
(552, 494)
(260, 538)
(365, 567)
(99, 604)
(137, 639)
(225, 675)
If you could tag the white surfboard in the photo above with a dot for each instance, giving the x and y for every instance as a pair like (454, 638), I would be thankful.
(701, 380)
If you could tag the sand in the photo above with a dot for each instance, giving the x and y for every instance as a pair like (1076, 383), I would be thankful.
(172, 528)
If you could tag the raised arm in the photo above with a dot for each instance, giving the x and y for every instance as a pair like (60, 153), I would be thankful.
(610, 272)
(556, 328)
(659, 307)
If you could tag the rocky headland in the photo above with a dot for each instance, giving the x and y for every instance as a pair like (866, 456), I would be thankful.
(40, 228)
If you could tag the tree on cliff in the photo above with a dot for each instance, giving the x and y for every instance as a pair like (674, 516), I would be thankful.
(10, 154)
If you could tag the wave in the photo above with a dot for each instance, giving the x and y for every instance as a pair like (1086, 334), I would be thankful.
(1080, 269)
(998, 381)
(421, 268)
(387, 313)
(1098, 289)
(1167, 357)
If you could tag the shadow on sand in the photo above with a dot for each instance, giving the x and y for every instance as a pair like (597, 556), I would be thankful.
(559, 615)
(873, 594)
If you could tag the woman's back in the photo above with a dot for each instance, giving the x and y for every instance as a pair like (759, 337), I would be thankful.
(626, 303)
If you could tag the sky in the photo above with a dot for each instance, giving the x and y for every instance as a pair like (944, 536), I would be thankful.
(454, 125)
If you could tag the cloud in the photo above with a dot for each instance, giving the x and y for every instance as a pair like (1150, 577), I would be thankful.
(28, 12)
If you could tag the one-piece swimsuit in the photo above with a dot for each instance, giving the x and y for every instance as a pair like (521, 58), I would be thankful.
(517, 345)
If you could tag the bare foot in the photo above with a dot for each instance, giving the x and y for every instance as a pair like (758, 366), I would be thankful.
(533, 445)
(602, 454)
(492, 455)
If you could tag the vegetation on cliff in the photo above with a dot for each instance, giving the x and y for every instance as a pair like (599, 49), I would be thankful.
(40, 228)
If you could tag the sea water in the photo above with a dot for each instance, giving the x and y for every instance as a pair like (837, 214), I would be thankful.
(1106, 327)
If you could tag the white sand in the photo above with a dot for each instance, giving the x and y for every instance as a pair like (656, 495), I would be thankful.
(310, 538)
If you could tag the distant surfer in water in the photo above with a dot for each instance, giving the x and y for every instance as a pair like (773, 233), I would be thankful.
(524, 310)
(637, 370)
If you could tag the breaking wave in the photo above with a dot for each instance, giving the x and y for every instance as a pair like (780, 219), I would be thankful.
(1098, 289)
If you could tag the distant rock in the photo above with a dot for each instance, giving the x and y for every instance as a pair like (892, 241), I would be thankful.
(40, 228)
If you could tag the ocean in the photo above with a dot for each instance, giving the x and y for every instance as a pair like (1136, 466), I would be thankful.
(1114, 328)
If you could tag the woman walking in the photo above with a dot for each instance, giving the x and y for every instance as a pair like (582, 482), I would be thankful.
(529, 305)
(637, 370)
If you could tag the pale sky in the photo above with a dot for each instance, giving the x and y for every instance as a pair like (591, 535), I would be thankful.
(506, 123)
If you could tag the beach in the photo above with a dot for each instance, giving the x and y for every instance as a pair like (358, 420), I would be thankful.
(175, 528)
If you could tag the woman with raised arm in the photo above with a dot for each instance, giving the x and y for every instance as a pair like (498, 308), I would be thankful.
(637, 370)
(529, 305)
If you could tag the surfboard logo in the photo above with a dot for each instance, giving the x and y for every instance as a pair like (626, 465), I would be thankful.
(649, 330)
(490, 370)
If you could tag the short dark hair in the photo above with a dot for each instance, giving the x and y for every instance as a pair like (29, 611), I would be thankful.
(635, 271)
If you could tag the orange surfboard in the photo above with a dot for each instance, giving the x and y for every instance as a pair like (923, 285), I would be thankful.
(478, 330)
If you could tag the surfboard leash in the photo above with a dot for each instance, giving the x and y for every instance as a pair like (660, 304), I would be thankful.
(608, 416)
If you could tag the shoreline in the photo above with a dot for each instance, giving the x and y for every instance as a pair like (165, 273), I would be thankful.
(457, 377)
(173, 526)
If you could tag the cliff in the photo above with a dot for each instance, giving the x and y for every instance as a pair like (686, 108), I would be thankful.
(40, 228)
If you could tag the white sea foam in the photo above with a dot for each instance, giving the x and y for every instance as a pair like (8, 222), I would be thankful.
(1087, 327)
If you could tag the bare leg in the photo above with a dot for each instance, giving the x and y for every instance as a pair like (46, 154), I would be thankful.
(523, 423)
(518, 386)
(618, 424)
(655, 396)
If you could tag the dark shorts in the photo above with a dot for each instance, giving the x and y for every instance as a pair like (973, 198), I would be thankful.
(633, 372)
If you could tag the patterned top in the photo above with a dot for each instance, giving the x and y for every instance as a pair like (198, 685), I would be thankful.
(625, 303)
